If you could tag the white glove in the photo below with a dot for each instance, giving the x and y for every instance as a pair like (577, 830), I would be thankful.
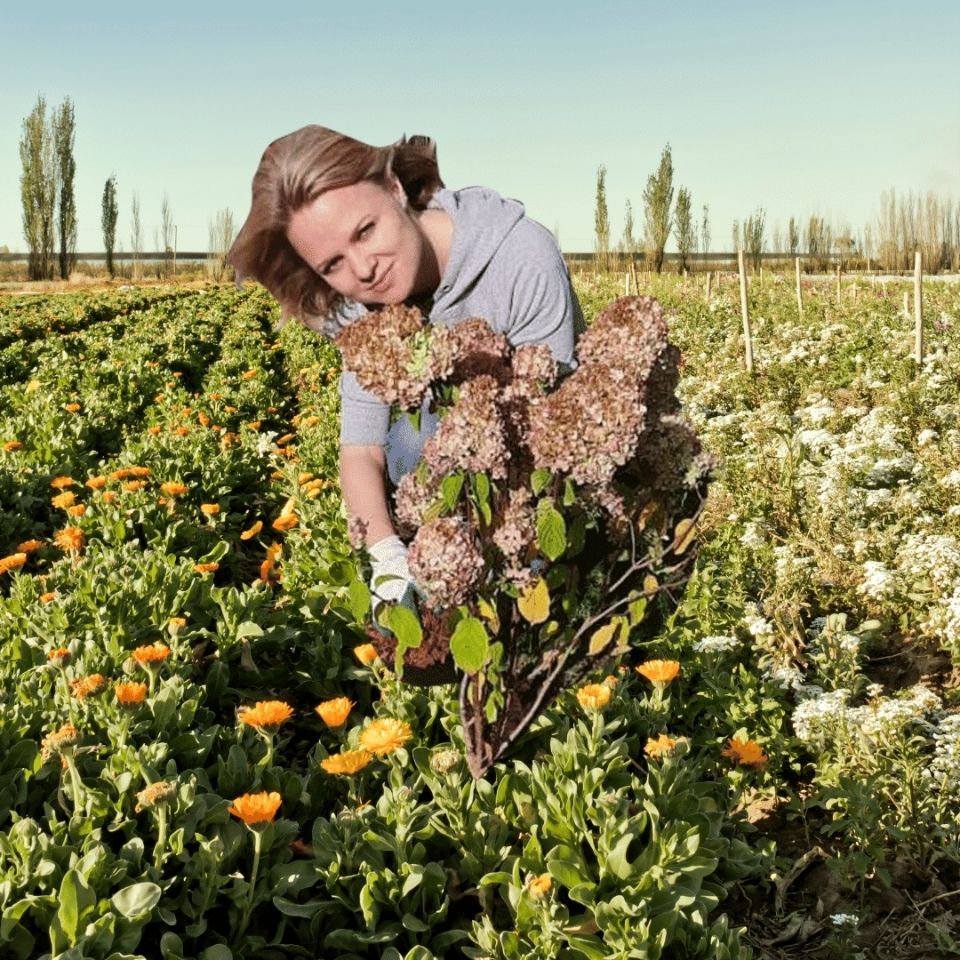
(390, 579)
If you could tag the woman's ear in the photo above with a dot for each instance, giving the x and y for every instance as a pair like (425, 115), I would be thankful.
(396, 189)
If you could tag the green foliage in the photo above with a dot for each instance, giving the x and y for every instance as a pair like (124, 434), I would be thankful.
(657, 205)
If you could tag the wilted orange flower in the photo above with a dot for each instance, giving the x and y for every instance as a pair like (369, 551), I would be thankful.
(540, 886)
(210, 509)
(656, 748)
(70, 538)
(97, 483)
(58, 741)
(747, 753)
(29, 546)
(594, 696)
(384, 736)
(14, 562)
(346, 763)
(59, 656)
(265, 713)
(71, 407)
(659, 672)
(85, 686)
(12, 445)
(47, 597)
(151, 653)
(61, 483)
(132, 486)
(256, 808)
(366, 653)
(206, 567)
(78, 510)
(252, 531)
(334, 712)
(130, 694)
(173, 489)
(611, 681)
(286, 521)
(159, 792)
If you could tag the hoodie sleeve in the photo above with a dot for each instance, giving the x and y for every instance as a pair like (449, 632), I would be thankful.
(543, 306)
(364, 419)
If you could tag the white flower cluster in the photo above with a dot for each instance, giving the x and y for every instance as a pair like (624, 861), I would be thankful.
(757, 624)
(951, 626)
(716, 644)
(879, 582)
(934, 557)
(944, 766)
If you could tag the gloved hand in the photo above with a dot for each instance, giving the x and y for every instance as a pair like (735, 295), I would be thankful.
(390, 579)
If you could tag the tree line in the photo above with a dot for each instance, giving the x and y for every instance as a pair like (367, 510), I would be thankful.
(49, 209)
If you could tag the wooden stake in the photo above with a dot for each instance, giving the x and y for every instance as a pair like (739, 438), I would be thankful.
(709, 284)
(799, 292)
(745, 310)
(626, 284)
(633, 273)
(918, 306)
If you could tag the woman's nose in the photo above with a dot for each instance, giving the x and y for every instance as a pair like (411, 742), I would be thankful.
(364, 266)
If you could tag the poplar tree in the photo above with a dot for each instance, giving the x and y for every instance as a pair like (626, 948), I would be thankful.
(601, 220)
(684, 229)
(38, 191)
(657, 203)
(705, 229)
(136, 234)
(108, 219)
(629, 241)
(64, 134)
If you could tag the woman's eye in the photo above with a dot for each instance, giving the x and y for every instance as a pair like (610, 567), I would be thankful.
(366, 230)
(330, 267)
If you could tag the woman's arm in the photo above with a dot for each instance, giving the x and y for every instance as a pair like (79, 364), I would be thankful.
(362, 469)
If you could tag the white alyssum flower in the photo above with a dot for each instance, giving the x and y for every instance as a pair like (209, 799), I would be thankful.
(879, 582)
(716, 644)
(926, 437)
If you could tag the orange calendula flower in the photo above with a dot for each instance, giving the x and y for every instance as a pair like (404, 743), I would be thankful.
(346, 763)
(138, 472)
(47, 597)
(14, 562)
(177, 623)
(130, 694)
(78, 510)
(748, 753)
(366, 653)
(83, 687)
(256, 808)
(180, 431)
(210, 509)
(304, 477)
(71, 407)
(96, 483)
(659, 672)
(334, 712)
(173, 489)
(109, 496)
(12, 445)
(275, 551)
(267, 570)
(540, 886)
(268, 714)
(151, 653)
(286, 521)
(206, 567)
(70, 538)
(285, 439)
(63, 500)
(383, 736)
(61, 483)
(251, 532)
(132, 486)
(594, 696)
(153, 431)
(59, 656)
(203, 418)
(29, 546)
(155, 793)
(657, 748)
(58, 741)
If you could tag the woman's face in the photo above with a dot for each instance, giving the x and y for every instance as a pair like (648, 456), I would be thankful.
(362, 241)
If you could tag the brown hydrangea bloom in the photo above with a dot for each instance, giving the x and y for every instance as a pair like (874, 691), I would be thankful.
(534, 369)
(446, 561)
(514, 528)
(471, 349)
(411, 499)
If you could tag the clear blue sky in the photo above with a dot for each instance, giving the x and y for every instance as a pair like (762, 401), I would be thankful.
(796, 108)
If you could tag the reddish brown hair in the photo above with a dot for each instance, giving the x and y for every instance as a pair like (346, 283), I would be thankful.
(293, 172)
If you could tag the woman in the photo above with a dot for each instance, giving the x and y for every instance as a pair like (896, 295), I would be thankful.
(337, 226)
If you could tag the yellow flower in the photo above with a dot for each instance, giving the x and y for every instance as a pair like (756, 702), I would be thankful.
(540, 886)
(265, 714)
(594, 696)
(14, 562)
(70, 538)
(366, 653)
(747, 753)
(663, 744)
(334, 712)
(383, 736)
(256, 808)
(176, 624)
(251, 532)
(130, 694)
(83, 687)
(346, 763)
(659, 672)
(151, 653)
(173, 489)
(63, 500)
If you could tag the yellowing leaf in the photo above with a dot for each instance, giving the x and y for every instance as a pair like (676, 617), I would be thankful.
(289, 507)
(534, 602)
(650, 585)
(602, 637)
(683, 535)
(489, 613)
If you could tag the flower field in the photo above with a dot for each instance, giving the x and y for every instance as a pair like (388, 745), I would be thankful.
(202, 757)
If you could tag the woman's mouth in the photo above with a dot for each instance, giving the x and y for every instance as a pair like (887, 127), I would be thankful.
(382, 281)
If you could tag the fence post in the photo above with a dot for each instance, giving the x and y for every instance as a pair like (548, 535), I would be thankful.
(918, 306)
(633, 274)
(799, 292)
(745, 310)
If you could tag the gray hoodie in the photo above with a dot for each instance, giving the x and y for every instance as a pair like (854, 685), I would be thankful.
(503, 267)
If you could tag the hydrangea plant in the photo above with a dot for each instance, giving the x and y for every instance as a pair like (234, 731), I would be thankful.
(552, 514)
